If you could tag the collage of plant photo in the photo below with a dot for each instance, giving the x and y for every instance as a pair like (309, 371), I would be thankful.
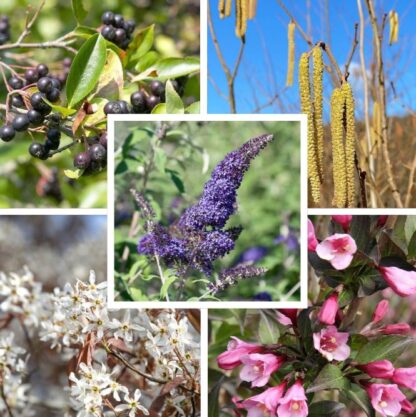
(207, 208)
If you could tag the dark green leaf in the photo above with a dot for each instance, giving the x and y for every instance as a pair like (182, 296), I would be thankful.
(79, 11)
(85, 69)
(411, 251)
(325, 408)
(213, 400)
(330, 377)
(305, 328)
(176, 180)
(359, 396)
(385, 347)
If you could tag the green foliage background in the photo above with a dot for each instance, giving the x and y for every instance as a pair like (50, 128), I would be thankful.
(268, 198)
(176, 35)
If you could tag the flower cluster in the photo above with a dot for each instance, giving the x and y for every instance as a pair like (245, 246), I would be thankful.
(199, 237)
(112, 353)
(286, 372)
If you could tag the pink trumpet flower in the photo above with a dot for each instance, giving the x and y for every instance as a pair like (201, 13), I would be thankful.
(338, 249)
(344, 221)
(405, 377)
(386, 399)
(398, 328)
(236, 348)
(258, 368)
(332, 344)
(312, 241)
(329, 309)
(381, 310)
(293, 404)
(264, 404)
(378, 369)
(402, 282)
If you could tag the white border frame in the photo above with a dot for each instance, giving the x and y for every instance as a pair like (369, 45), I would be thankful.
(207, 304)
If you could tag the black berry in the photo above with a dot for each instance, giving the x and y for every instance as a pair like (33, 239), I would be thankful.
(53, 134)
(31, 76)
(152, 102)
(120, 35)
(129, 26)
(138, 101)
(38, 150)
(39, 104)
(107, 18)
(53, 95)
(118, 21)
(17, 100)
(15, 83)
(157, 88)
(21, 122)
(56, 83)
(52, 144)
(108, 32)
(45, 85)
(82, 160)
(42, 70)
(35, 117)
(103, 140)
(7, 133)
(97, 152)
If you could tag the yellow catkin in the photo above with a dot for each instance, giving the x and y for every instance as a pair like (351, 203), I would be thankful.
(349, 142)
(338, 151)
(227, 10)
(306, 107)
(252, 7)
(241, 18)
(318, 74)
(221, 8)
(394, 27)
(290, 54)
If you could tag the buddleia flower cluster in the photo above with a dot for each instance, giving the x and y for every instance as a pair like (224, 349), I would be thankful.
(112, 353)
(200, 236)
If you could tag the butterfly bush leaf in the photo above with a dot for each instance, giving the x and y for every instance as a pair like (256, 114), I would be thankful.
(86, 69)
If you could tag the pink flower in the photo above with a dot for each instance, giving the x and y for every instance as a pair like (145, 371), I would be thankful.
(381, 220)
(344, 221)
(338, 249)
(405, 377)
(293, 404)
(380, 311)
(287, 316)
(400, 281)
(378, 369)
(386, 399)
(264, 404)
(236, 348)
(332, 344)
(258, 367)
(398, 328)
(312, 241)
(407, 407)
(329, 309)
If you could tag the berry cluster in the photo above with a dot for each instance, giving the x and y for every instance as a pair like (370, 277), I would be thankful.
(4, 29)
(94, 159)
(144, 100)
(117, 30)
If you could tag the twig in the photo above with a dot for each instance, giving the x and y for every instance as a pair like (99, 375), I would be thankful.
(410, 183)
(351, 55)
(371, 162)
(382, 96)
(3, 397)
(30, 22)
(40, 45)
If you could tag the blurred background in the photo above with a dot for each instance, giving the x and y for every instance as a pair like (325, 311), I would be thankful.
(268, 201)
(26, 182)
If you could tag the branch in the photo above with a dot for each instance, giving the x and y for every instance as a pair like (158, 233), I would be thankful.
(3, 397)
(30, 22)
(351, 55)
(40, 45)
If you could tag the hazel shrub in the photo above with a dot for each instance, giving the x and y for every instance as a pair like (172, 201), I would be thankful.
(351, 352)
(117, 363)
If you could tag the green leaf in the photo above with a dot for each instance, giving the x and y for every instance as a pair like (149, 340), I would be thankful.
(64, 111)
(84, 32)
(174, 103)
(110, 83)
(137, 295)
(160, 159)
(305, 328)
(213, 400)
(165, 287)
(411, 251)
(73, 174)
(385, 347)
(176, 180)
(85, 69)
(79, 11)
(193, 108)
(330, 377)
(359, 396)
(325, 408)
(146, 61)
(170, 68)
(141, 44)
(159, 109)
(268, 329)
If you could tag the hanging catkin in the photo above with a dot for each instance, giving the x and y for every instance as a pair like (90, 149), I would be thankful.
(338, 152)
(291, 53)
(349, 142)
(252, 7)
(318, 73)
(394, 27)
(241, 18)
(224, 7)
(306, 107)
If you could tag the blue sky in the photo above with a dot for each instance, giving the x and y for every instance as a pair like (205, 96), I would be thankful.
(263, 70)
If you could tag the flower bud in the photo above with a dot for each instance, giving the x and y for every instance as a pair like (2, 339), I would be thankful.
(402, 282)
(407, 407)
(399, 328)
(329, 309)
(312, 241)
(231, 358)
(343, 221)
(380, 311)
(378, 369)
